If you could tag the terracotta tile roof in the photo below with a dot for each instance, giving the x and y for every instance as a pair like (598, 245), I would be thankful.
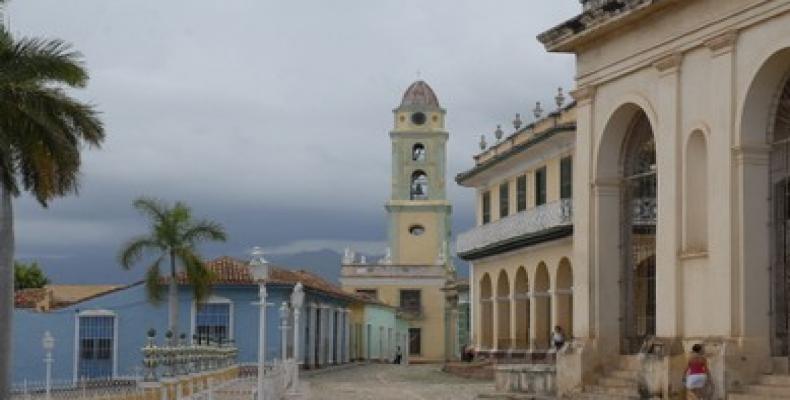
(70, 294)
(232, 271)
(29, 298)
(57, 296)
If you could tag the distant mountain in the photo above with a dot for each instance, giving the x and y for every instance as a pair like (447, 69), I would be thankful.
(101, 267)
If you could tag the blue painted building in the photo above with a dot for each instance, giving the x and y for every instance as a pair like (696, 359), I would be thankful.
(101, 337)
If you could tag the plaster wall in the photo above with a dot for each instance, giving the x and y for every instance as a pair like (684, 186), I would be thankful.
(135, 316)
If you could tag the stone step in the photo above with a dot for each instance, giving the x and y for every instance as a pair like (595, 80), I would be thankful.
(613, 381)
(513, 396)
(624, 374)
(628, 391)
(782, 392)
(775, 380)
(749, 396)
(603, 396)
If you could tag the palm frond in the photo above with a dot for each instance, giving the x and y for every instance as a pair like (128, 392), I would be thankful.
(153, 284)
(205, 230)
(43, 60)
(199, 277)
(153, 208)
(134, 250)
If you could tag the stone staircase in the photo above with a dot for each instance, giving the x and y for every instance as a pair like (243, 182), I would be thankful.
(617, 384)
(774, 386)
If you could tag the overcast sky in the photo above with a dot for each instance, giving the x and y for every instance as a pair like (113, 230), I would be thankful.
(272, 117)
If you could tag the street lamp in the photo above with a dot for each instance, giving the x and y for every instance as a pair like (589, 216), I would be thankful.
(259, 269)
(48, 343)
(297, 301)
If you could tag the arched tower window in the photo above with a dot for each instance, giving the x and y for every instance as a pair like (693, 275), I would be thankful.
(419, 186)
(418, 152)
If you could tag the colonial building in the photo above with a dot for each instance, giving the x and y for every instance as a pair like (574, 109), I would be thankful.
(417, 264)
(680, 195)
(520, 251)
(99, 331)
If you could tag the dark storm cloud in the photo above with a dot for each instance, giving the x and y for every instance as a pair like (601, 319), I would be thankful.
(272, 116)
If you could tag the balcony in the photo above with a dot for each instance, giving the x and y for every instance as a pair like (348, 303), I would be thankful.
(545, 222)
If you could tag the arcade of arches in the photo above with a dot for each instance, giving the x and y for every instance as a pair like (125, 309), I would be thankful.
(519, 307)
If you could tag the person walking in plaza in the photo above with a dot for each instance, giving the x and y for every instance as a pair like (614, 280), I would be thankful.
(398, 356)
(697, 374)
(558, 338)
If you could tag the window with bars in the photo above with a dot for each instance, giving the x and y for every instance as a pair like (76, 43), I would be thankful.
(521, 193)
(486, 207)
(504, 200)
(410, 300)
(566, 178)
(212, 321)
(96, 345)
(540, 186)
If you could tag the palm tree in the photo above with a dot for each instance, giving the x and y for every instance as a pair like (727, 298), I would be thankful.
(42, 130)
(173, 237)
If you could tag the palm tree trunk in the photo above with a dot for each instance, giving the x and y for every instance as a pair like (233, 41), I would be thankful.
(6, 290)
(173, 296)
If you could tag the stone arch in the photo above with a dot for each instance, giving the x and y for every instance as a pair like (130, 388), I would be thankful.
(419, 185)
(563, 296)
(486, 313)
(503, 311)
(763, 150)
(625, 191)
(542, 299)
(418, 152)
(522, 305)
(695, 193)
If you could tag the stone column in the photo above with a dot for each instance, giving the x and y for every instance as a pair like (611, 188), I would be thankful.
(322, 335)
(312, 321)
(584, 272)
(513, 319)
(381, 344)
(331, 339)
(340, 338)
(533, 322)
(668, 228)
(347, 319)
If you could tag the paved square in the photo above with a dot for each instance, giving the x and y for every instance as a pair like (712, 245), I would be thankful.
(393, 382)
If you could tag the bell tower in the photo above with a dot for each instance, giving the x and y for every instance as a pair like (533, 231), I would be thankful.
(418, 209)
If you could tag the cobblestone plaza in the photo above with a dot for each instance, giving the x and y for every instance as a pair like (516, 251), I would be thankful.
(393, 382)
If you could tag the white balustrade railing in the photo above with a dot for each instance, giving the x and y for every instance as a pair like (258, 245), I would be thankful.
(533, 221)
(177, 357)
(118, 386)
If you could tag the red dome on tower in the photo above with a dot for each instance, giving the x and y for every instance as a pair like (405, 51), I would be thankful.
(419, 94)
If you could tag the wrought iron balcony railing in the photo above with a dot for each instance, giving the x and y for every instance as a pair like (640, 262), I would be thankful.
(533, 221)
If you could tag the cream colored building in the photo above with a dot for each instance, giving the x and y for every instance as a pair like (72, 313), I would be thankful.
(417, 264)
(520, 251)
(680, 188)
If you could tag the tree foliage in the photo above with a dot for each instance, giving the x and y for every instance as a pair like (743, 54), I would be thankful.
(42, 128)
(29, 276)
(173, 236)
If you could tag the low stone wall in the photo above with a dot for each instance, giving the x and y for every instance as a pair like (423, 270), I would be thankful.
(471, 370)
(537, 379)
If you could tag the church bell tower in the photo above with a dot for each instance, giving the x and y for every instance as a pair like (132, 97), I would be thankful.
(418, 209)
